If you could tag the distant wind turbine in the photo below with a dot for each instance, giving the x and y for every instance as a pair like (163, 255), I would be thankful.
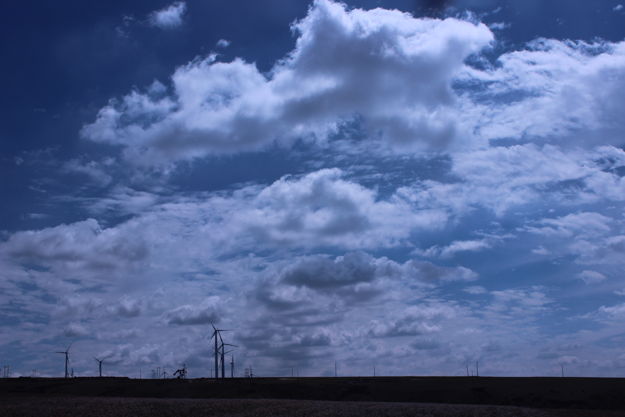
(223, 355)
(217, 335)
(66, 353)
(99, 361)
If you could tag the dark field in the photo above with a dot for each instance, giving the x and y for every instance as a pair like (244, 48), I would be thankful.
(153, 407)
(381, 396)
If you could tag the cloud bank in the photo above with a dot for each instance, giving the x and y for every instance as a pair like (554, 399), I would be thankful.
(406, 64)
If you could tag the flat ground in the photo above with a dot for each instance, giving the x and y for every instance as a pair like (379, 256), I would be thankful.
(537, 393)
(152, 407)
(302, 397)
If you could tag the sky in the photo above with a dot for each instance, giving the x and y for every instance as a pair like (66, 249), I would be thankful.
(411, 186)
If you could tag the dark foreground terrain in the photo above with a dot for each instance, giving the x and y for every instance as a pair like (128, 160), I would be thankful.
(383, 396)
(154, 407)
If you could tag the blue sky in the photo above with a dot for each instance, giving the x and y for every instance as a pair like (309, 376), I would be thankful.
(410, 185)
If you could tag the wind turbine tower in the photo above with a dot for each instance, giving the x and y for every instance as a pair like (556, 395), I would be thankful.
(66, 353)
(214, 336)
(99, 361)
(223, 356)
(217, 335)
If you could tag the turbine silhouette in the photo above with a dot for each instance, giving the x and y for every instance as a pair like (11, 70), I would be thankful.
(219, 350)
(99, 361)
(66, 353)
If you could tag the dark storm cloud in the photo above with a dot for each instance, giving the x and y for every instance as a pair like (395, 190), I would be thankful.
(306, 287)
(350, 279)
(324, 274)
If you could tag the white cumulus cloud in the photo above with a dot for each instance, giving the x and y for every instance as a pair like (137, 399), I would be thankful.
(406, 64)
(169, 17)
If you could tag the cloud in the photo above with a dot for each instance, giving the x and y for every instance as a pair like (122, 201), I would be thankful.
(548, 92)
(204, 313)
(127, 307)
(540, 251)
(75, 330)
(170, 17)
(608, 250)
(323, 274)
(457, 246)
(319, 290)
(320, 286)
(414, 321)
(339, 295)
(498, 25)
(591, 277)
(280, 346)
(501, 178)
(83, 246)
(587, 224)
(592, 238)
(322, 208)
(219, 107)
(505, 178)
(91, 169)
(346, 275)
(77, 306)
(618, 8)
(420, 95)
(318, 210)
(222, 43)
(475, 290)
(433, 274)
(521, 302)
(616, 311)
(120, 200)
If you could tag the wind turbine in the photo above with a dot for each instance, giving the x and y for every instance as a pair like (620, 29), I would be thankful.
(217, 334)
(223, 357)
(99, 361)
(66, 353)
